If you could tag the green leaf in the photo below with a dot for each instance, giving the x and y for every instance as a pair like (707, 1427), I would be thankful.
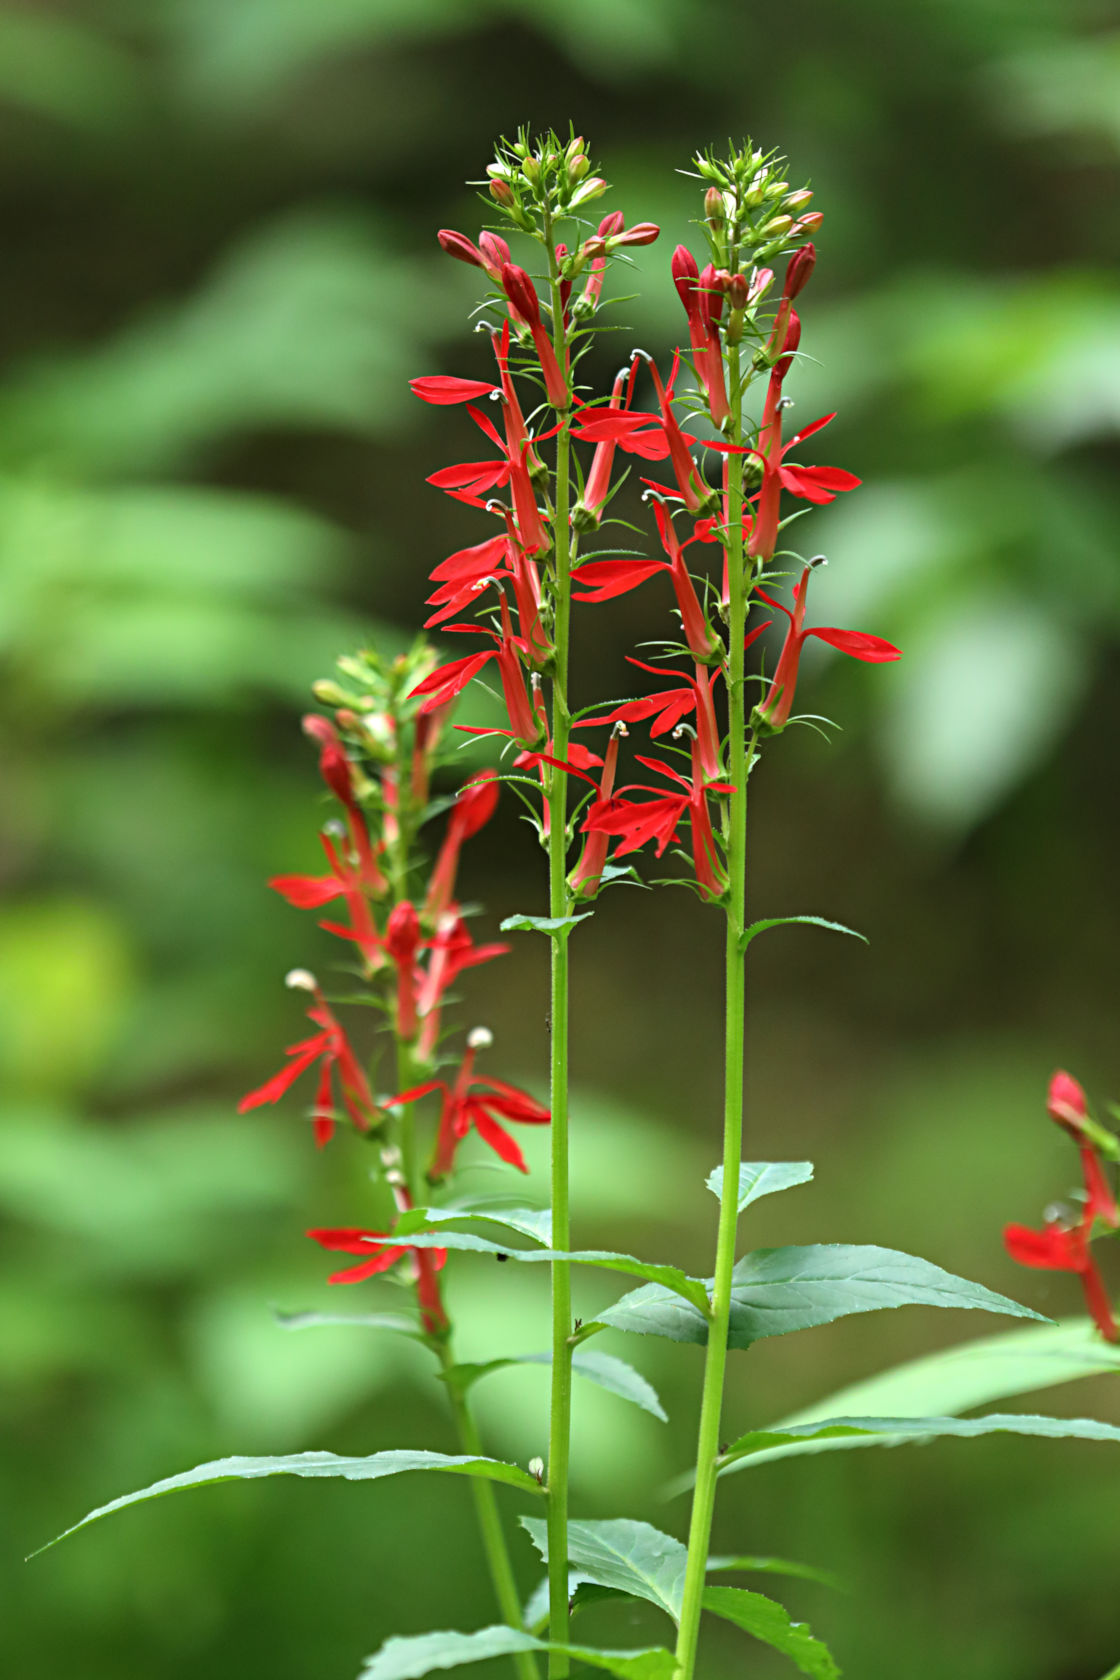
(756, 928)
(670, 1278)
(542, 924)
(762, 1178)
(774, 1566)
(628, 1557)
(778, 1290)
(403, 1325)
(535, 1223)
(771, 1623)
(615, 1375)
(890, 1431)
(314, 1464)
(410, 1659)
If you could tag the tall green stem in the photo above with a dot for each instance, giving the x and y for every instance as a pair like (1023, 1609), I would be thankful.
(485, 1501)
(740, 753)
(560, 1413)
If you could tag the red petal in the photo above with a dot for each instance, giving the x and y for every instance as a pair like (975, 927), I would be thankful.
(416, 1092)
(813, 426)
(274, 1088)
(858, 644)
(307, 892)
(441, 388)
(513, 1103)
(498, 1139)
(1050, 1250)
(370, 1268)
(817, 484)
(347, 1239)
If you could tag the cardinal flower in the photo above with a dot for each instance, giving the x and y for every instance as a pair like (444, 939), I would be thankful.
(703, 304)
(474, 1101)
(448, 680)
(309, 892)
(379, 1252)
(338, 773)
(774, 711)
(668, 706)
(522, 294)
(475, 804)
(1065, 1248)
(658, 818)
(331, 1049)
(585, 877)
(451, 950)
(403, 939)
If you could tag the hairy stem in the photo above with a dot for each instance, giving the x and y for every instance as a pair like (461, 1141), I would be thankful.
(560, 1412)
(740, 755)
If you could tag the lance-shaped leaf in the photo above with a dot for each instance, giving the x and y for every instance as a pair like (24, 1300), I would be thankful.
(535, 1223)
(398, 1322)
(758, 1444)
(778, 1290)
(771, 1623)
(762, 1178)
(756, 928)
(615, 1375)
(674, 1282)
(411, 1659)
(543, 924)
(316, 1464)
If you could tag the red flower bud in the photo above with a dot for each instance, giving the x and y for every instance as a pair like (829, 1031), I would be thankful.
(521, 292)
(800, 268)
(458, 245)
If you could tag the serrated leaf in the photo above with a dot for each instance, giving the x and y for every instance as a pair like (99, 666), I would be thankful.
(770, 1622)
(542, 924)
(779, 1290)
(410, 1659)
(774, 1566)
(628, 1557)
(762, 1178)
(758, 1443)
(397, 1322)
(756, 928)
(615, 1375)
(318, 1464)
(669, 1278)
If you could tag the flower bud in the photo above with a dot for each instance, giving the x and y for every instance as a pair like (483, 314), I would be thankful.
(737, 289)
(593, 187)
(502, 193)
(714, 209)
(458, 245)
(810, 223)
(800, 267)
(777, 189)
(578, 168)
(776, 228)
(642, 233)
(536, 1469)
(798, 200)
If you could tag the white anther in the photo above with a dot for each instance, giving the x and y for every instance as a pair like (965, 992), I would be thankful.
(301, 980)
(480, 1038)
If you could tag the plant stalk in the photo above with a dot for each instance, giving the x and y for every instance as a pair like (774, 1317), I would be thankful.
(740, 754)
(560, 1412)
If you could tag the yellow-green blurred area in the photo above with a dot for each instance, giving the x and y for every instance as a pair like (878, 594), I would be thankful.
(219, 272)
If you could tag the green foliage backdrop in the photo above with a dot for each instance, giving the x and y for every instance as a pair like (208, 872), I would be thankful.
(220, 270)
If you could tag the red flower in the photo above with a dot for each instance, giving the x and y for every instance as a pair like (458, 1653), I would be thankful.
(309, 892)
(585, 877)
(659, 817)
(1063, 1248)
(402, 941)
(475, 1101)
(452, 951)
(521, 292)
(669, 706)
(475, 804)
(448, 680)
(775, 709)
(338, 773)
(444, 388)
(331, 1048)
(382, 1253)
(703, 304)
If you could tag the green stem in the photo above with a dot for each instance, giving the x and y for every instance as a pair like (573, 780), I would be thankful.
(1113, 1673)
(489, 1520)
(740, 755)
(485, 1501)
(560, 1411)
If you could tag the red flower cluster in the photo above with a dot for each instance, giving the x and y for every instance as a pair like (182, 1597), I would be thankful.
(1062, 1246)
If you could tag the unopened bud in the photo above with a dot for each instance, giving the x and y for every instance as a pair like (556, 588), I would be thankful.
(593, 187)
(777, 188)
(536, 1469)
(578, 168)
(776, 228)
(738, 291)
(480, 1038)
(799, 270)
(502, 193)
(574, 147)
(330, 693)
(301, 980)
(810, 223)
(713, 208)
(798, 200)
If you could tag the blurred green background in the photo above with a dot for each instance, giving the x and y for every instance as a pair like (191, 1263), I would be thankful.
(219, 271)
